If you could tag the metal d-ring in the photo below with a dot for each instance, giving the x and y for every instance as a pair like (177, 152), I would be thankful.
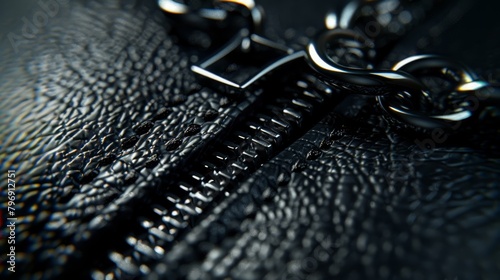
(468, 83)
(245, 18)
(359, 81)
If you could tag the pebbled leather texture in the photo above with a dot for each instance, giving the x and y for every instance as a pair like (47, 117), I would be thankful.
(107, 127)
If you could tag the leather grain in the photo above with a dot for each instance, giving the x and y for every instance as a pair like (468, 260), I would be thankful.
(103, 121)
(97, 98)
(359, 210)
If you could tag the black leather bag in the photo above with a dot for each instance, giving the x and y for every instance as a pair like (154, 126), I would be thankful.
(128, 165)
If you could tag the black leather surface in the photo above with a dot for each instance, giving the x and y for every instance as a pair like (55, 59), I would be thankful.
(103, 121)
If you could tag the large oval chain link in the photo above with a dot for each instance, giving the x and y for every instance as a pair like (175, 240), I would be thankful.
(399, 92)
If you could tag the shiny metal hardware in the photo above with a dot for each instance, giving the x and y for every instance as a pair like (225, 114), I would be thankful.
(359, 81)
(401, 94)
(467, 84)
(244, 41)
(220, 11)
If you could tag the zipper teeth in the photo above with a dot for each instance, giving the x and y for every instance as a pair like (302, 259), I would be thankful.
(260, 136)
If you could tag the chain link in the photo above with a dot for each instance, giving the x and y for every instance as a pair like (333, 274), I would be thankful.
(343, 56)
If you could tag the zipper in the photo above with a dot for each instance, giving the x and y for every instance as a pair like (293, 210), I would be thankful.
(276, 119)
(165, 213)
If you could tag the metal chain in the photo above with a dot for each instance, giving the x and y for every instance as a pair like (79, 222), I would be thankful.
(399, 91)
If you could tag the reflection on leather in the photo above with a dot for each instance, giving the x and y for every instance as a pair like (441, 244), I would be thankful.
(112, 136)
